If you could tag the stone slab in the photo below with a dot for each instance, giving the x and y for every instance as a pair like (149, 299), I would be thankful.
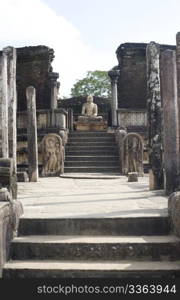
(90, 175)
(59, 197)
(103, 269)
(96, 248)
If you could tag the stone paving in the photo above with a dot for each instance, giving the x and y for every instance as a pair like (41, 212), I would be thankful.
(89, 197)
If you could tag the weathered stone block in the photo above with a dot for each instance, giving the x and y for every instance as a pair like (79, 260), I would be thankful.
(174, 212)
(34, 68)
(9, 220)
(22, 177)
(132, 177)
(7, 176)
(132, 83)
(5, 195)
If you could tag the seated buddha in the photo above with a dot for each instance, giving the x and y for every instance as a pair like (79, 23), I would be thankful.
(89, 111)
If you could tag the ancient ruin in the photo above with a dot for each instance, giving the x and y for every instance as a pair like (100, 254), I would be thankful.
(110, 166)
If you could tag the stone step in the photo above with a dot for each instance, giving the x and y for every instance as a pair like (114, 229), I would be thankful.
(95, 148)
(84, 269)
(91, 139)
(90, 134)
(92, 152)
(81, 158)
(96, 248)
(145, 225)
(91, 144)
(91, 175)
(92, 168)
(90, 163)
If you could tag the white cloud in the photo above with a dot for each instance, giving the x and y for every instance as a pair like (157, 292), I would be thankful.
(32, 22)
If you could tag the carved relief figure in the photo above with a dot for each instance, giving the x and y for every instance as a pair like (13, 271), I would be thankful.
(132, 157)
(52, 155)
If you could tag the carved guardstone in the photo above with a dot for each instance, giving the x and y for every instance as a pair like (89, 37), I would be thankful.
(52, 155)
(132, 154)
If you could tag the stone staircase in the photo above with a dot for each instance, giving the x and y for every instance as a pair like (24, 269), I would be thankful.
(91, 152)
(123, 247)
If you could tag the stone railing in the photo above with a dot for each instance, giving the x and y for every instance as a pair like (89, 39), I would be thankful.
(9, 219)
(10, 208)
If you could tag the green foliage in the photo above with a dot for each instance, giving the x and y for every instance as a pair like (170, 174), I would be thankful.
(96, 83)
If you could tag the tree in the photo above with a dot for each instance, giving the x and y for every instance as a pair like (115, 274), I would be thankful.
(96, 83)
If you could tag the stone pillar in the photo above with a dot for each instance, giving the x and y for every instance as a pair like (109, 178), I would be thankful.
(154, 116)
(54, 89)
(12, 103)
(70, 119)
(114, 75)
(170, 120)
(32, 134)
(4, 105)
(178, 82)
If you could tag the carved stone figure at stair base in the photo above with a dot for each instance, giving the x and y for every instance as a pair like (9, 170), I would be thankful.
(132, 156)
(52, 155)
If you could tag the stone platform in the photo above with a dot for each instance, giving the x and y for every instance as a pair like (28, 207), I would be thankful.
(91, 125)
(72, 197)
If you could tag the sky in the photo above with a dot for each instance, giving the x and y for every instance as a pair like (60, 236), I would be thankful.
(86, 33)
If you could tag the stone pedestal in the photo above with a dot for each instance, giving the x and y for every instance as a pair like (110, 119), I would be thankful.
(91, 125)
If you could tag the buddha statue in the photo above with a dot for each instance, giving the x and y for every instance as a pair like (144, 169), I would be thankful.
(89, 111)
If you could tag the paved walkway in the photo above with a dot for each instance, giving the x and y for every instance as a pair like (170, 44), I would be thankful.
(84, 198)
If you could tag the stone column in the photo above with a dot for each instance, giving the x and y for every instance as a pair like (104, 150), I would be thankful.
(70, 119)
(54, 89)
(32, 134)
(12, 102)
(114, 75)
(4, 105)
(170, 120)
(154, 116)
(178, 82)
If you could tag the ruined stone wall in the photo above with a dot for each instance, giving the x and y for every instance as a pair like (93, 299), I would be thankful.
(132, 84)
(34, 69)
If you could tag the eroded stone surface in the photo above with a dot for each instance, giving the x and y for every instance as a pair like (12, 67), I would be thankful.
(174, 212)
